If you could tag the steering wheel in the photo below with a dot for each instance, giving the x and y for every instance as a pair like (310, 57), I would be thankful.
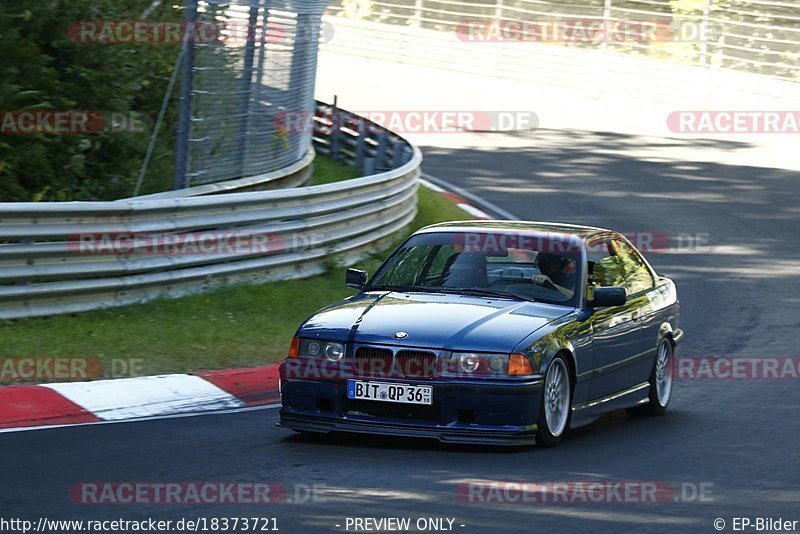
(547, 283)
(510, 281)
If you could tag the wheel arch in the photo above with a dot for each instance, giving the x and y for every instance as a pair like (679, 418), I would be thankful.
(565, 349)
(569, 356)
(666, 331)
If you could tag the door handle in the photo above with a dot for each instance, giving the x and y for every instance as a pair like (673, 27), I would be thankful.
(635, 316)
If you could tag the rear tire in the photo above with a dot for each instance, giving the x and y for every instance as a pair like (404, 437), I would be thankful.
(555, 408)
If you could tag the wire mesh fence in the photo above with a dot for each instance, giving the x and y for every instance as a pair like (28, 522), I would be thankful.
(756, 36)
(248, 62)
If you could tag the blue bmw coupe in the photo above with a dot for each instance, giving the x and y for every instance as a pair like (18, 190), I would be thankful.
(489, 332)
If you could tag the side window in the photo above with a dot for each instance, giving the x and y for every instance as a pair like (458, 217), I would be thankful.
(637, 276)
(604, 268)
(612, 262)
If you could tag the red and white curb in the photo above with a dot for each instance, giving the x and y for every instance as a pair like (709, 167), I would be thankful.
(23, 407)
(460, 202)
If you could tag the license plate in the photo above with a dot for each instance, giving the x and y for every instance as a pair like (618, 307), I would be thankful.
(389, 392)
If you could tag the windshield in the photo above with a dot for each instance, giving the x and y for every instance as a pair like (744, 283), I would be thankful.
(529, 267)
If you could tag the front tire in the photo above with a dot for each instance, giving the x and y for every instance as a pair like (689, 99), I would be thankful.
(661, 378)
(555, 408)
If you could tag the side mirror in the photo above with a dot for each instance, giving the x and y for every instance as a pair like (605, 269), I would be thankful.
(609, 296)
(355, 278)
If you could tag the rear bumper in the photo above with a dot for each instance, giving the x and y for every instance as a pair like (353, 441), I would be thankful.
(503, 413)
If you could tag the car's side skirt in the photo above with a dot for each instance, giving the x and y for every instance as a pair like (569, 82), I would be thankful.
(616, 366)
(586, 412)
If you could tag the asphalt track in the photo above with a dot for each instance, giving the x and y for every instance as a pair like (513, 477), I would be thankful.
(738, 438)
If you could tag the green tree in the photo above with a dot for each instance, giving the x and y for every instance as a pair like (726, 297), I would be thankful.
(45, 69)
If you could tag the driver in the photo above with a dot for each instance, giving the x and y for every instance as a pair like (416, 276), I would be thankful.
(558, 272)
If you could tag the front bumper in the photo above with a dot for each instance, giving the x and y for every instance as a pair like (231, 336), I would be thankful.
(463, 411)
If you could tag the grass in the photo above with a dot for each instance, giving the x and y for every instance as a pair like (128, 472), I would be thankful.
(234, 326)
(327, 170)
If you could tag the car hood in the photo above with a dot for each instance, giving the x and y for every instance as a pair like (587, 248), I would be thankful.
(432, 320)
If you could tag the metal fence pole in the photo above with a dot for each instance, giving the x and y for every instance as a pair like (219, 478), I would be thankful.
(297, 72)
(417, 20)
(704, 33)
(263, 45)
(498, 11)
(310, 42)
(247, 86)
(184, 129)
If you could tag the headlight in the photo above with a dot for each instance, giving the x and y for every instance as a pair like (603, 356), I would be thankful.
(473, 364)
(468, 362)
(478, 364)
(334, 352)
(313, 348)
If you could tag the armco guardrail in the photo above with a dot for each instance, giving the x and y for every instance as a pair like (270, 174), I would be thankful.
(75, 256)
(295, 175)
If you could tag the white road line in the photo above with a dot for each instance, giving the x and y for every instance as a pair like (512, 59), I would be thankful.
(472, 210)
(472, 197)
(431, 186)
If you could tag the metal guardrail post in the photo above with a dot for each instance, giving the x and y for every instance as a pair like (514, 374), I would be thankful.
(334, 141)
(397, 154)
(184, 130)
(380, 151)
(361, 144)
(369, 166)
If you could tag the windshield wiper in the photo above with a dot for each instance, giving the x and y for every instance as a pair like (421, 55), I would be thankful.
(487, 293)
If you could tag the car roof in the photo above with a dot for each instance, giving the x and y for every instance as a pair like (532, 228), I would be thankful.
(576, 230)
